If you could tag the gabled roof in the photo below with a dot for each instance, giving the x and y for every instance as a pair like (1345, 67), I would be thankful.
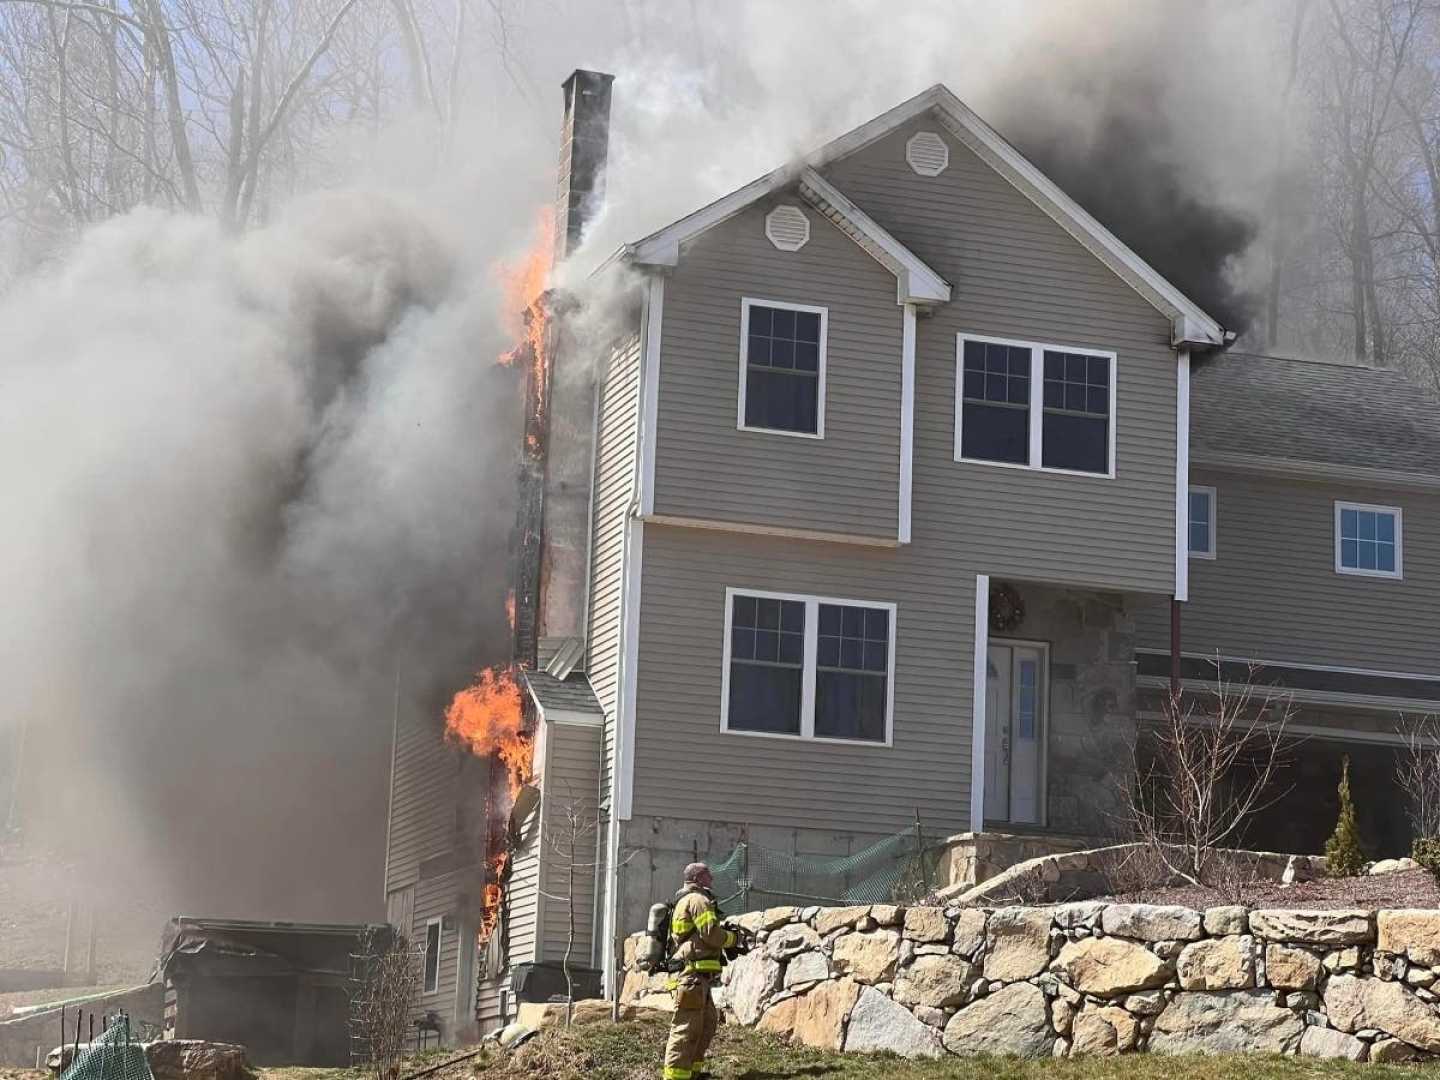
(1190, 324)
(1335, 416)
(567, 698)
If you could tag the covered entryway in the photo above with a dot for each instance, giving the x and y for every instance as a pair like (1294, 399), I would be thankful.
(1016, 684)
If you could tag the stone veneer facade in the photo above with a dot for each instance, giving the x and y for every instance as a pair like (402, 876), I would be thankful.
(1086, 978)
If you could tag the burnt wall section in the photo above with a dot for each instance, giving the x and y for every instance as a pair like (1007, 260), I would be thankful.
(584, 152)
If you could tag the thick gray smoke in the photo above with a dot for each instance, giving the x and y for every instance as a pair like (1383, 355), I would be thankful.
(250, 481)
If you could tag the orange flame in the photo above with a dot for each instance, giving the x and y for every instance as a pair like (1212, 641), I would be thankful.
(490, 901)
(488, 718)
(522, 284)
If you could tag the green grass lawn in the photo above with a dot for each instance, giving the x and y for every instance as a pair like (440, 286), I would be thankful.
(633, 1052)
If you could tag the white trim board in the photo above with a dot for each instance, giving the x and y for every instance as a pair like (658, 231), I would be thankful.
(907, 420)
(1035, 407)
(809, 667)
(977, 702)
(748, 302)
(1398, 574)
(629, 671)
(1318, 732)
(751, 529)
(1331, 698)
(1313, 470)
(651, 330)
(1230, 659)
(1189, 323)
(1182, 475)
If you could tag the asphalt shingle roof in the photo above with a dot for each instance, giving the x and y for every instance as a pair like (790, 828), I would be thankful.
(1327, 414)
(571, 694)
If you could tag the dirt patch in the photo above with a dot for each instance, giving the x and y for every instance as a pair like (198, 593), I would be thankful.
(1406, 889)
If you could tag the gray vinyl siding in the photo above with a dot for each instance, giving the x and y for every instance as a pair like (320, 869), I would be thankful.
(849, 481)
(435, 898)
(1272, 592)
(571, 780)
(1016, 274)
(523, 901)
(615, 473)
(425, 794)
(685, 766)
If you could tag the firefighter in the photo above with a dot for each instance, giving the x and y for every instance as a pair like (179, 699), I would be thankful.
(698, 942)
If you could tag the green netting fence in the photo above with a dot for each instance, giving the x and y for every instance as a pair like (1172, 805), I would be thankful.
(112, 1055)
(899, 869)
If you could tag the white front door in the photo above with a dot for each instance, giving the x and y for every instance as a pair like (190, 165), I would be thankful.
(1014, 733)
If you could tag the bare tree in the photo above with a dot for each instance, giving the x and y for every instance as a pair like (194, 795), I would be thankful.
(383, 997)
(569, 843)
(1203, 770)
(1417, 772)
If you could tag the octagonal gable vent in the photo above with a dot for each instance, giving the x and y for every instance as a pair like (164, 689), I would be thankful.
(787, 228)
(927, 153)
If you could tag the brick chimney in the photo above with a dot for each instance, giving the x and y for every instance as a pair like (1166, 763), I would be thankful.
(584, 151)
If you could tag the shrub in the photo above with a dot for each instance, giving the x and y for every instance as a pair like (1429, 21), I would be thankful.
(1426, 851)
(1344, 857)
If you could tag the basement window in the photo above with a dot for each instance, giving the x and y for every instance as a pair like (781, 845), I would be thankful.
(808, 667)
(1033, 406)
(432, 956)
(1368, 540)
(782, 368)
(1202, 522)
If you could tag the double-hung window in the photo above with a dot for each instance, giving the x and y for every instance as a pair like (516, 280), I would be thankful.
(808, 667)
(1368, 540)
(1202, 522)
(782, 368)
(1035, 406)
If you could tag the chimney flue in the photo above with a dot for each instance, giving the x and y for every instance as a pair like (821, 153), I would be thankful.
(584, 150)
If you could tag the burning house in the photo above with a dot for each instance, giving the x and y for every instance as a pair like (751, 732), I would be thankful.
(897, 497)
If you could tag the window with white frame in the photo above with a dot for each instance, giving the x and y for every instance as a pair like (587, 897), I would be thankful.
(432, 956)
(808, 667)
(1368, 540)
(782, 368)
(1202, 522)
(1035, 406)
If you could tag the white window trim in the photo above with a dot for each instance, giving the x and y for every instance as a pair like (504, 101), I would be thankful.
(807, 691)
(746, 303)
(439, 948)
(1214, 514)
(1037, 401)
(1398, 574)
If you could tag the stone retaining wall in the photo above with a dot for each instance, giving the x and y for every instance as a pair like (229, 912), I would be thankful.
(1086, 978)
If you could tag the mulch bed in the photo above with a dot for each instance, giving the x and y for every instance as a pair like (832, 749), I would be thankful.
(1405, 889)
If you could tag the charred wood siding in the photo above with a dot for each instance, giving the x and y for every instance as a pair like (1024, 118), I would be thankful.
(1272, 593)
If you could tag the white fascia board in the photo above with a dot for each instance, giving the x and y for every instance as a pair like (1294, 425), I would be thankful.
(650, 333)
(624, 765)
(1189, 323)
(917, 282)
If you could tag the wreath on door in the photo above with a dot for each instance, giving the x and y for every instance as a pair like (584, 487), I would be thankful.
(1007, 609)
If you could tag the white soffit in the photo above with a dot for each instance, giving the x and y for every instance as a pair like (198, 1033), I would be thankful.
(787, 228)
(927, 153)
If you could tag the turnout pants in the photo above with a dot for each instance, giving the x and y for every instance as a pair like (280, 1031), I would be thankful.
(691, 1028)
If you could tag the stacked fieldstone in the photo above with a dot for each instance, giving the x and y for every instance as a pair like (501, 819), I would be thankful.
(1087, 978)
